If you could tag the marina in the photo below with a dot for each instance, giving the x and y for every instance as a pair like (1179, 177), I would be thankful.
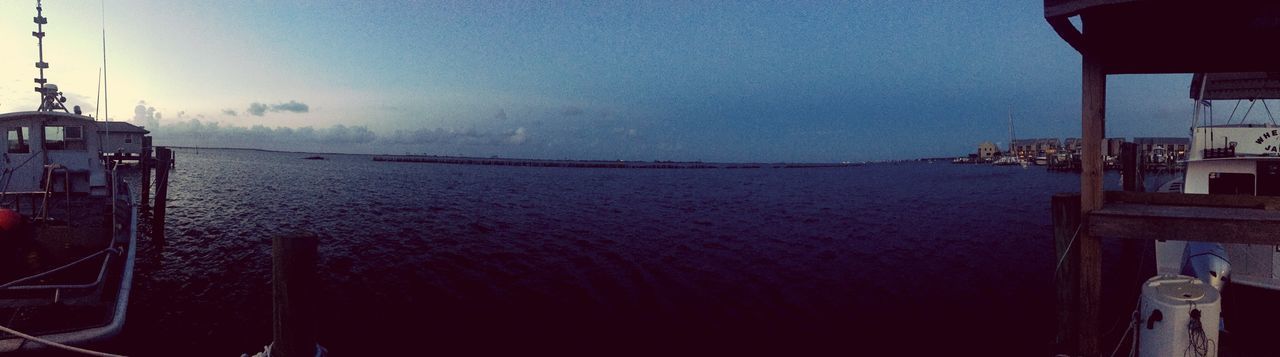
(552, 197)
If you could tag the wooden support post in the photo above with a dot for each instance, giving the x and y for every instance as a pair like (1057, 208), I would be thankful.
(144, 163)
(293, 262)
(162, 191)
(1066, 226)
(1093, 129)
(1130, 170)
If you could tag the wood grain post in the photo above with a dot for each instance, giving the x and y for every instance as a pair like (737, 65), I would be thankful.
(293, 263)
(162, 193)
(144, 163)
(1066, 224)
(1093, 128)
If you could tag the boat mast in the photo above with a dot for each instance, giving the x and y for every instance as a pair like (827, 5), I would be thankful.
(1011, 132)
(50, 98)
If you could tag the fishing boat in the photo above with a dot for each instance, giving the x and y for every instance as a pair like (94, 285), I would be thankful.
(68, 227)
(1232, 157)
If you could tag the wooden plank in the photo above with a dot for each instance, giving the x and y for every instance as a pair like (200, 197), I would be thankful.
(1092, 131)
(1066, 226)
(1202, 200)
(1206, 224)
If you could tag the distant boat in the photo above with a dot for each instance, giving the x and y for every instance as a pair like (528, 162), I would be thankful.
(1042, 160)
(68, 228)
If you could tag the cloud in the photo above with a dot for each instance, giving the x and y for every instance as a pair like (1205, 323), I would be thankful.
(570, 110)
(230, 112)
(256, 109)
(259, 109)
(145, 115)
(196, 132)
(291, 106)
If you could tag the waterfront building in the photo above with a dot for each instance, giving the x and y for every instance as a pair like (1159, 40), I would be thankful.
(123, 137)
(987, 151)
(1172, 148)
(1030, 148)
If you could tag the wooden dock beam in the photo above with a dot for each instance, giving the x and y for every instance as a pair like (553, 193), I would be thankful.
(1066, 226)
(293, 263)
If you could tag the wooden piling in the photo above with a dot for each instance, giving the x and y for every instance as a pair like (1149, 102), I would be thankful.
(293, 261)
(164, 156)
(1066, 226)
(144, 163)
(1093, 129)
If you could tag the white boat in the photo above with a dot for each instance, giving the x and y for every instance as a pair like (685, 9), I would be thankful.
(68, 228)
(1042, 160)
(1229, 158)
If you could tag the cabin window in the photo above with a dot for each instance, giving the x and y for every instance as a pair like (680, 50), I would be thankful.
(63, 138)
(128, 138)
(18, 140)
(1231, 183)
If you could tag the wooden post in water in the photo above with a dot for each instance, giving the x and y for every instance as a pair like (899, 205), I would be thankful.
(1131, 167)
(293, 263)
(163, 154)
(144, 163)
(1093, 129)
(1066, 224)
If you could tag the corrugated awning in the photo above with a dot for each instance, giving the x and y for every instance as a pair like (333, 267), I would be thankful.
(1246, 85)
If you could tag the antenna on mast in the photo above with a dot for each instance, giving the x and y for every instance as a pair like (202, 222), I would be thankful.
(50, 98)
(106, 104)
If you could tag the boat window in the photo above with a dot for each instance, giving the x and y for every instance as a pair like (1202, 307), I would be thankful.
(128, 138)
(1268, 178)
(18, 140)
(1230, 183)
(63, 138)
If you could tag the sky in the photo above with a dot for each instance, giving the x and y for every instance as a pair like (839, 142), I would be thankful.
(648, 80)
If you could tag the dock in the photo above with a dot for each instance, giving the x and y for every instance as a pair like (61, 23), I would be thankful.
(1146, 37)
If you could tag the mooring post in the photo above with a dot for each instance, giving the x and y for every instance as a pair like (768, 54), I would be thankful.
(293, 262)
(144, 163)
(1093, 128)
(162, 192)
(1066, 222)
(1129, 167)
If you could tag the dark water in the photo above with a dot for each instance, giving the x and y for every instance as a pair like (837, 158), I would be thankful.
(436, 259)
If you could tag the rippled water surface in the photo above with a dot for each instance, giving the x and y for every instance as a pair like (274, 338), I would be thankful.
(446, 259)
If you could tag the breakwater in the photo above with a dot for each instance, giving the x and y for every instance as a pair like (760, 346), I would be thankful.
(619, 164)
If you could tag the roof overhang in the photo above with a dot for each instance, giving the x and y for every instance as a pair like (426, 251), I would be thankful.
(1171, 36)
(1249, 85)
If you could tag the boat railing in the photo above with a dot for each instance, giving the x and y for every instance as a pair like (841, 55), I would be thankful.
(1217, 153)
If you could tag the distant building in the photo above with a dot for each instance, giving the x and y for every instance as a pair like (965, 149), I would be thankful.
(1111, 147)
(1072, 145)
(987, 150)
(1030, 148)
(121, 136)
(1173, 148)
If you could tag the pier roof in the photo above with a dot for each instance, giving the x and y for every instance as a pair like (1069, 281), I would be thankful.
(1170, 36)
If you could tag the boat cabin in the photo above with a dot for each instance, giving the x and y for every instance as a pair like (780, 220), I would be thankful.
(47, 151)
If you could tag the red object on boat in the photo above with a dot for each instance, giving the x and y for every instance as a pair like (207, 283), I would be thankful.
(9, 221)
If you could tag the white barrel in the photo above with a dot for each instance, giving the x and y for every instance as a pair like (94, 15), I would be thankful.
(1168, 302)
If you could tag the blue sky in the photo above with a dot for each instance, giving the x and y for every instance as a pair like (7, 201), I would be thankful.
(715, 81)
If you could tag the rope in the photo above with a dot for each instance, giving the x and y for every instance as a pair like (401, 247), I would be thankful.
(1264, 106)
(1233, 113)
(1066, 252)
(55, 344)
